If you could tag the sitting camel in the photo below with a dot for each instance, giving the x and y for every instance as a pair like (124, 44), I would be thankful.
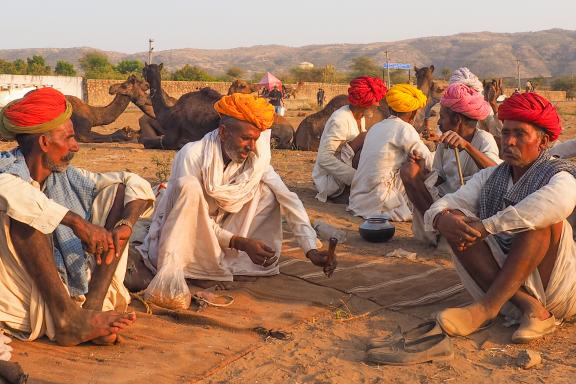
(433, 89)
(241, 86)
(310, 130)
(85, 116)
(188, 118)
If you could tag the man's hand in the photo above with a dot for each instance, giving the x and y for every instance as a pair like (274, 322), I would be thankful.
(454, 140)
(120, 237)
(257, 250)
(458, 231)
(320, 258)
(97, 240)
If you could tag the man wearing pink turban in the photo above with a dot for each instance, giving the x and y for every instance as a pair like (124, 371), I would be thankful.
(461, 108)
(343, 137)
(512, 244)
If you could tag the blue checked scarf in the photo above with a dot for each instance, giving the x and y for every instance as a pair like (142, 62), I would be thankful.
(74, 191)
(495, 195)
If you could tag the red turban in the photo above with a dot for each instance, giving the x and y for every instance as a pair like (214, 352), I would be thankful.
(365, 91)
(38, 111)
(532, 108)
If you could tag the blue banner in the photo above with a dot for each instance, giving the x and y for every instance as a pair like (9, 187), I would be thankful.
(397, 66)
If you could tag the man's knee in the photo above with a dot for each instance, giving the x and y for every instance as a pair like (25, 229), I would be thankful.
(188, 185)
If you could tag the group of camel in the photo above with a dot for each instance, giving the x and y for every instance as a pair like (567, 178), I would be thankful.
(170, 123)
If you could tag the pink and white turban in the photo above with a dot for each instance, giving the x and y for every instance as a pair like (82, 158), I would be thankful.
(466, 100)
(465, 76)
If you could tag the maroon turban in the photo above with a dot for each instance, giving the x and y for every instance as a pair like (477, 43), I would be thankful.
(532, 108)
(365, 91)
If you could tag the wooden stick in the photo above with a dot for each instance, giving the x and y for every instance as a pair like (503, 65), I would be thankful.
(457, 155)
(331, 255)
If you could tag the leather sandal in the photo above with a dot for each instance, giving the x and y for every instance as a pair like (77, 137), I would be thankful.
(531, 328)
(428, 348)
(427, 328)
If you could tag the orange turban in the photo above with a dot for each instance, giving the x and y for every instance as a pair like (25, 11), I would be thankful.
(39, 111)
(254, 110)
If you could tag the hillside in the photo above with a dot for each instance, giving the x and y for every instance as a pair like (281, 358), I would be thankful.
(543, 53)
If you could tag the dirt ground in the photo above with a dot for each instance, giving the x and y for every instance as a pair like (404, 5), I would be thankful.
(328, 324)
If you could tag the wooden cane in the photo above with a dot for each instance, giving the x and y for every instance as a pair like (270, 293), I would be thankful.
(331, 255)
(457, 155)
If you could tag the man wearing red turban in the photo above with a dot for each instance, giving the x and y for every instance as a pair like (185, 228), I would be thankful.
(343, 137)
(47, 242)
(507, 227)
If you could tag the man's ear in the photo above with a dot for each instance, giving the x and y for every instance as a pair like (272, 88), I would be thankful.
(43, 143)
(545, 142)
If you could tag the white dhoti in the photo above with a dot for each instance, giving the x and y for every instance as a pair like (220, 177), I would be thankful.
(187, 231)
(559, 297)
(23, 311)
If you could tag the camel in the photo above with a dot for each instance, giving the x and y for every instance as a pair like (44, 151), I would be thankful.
(292, 91)
(191, 116)
(310, 130)
(85, 116)
(492, 90)
(433, 89)
(241, 86)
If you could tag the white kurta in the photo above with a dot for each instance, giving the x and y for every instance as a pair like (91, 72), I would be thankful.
(333, 168)
(446, 168)
(551, 204)
(565, 150)
(376, 187)
(23, 311)
(189, 225)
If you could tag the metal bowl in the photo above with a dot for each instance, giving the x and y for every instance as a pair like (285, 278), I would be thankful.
(377, 229)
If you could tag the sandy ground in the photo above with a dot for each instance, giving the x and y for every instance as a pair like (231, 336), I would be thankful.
(329, 327)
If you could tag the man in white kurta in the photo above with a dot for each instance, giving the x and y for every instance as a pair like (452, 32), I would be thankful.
(333, 170)
(221, 214)
(48, 212)
(376, 187)
(508, 230)
(461, 109)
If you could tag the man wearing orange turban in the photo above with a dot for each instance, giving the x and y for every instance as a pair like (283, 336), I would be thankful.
(221, 213)
(343, 137)
(55, 220)
(376, 187)
(508, 229)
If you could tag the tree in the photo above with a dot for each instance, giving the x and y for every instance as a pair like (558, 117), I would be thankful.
(96, 66)
(191, 73)
(235, 72)
(37, 66)
(6, 67)
(365, 66)
(130, 67)
(446, 72)
(64, 68)
(565, 83)
(19, 67)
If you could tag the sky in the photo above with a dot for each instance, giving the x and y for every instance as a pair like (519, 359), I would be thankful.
(126, 25)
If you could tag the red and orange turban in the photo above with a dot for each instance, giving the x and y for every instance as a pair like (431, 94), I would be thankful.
(366, 91)
(534, 109)
(245, 107)
(39, 111)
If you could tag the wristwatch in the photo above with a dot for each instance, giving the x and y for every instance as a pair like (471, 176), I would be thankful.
(123, 222)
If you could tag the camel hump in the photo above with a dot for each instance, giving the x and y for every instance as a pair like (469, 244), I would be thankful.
(211, 93)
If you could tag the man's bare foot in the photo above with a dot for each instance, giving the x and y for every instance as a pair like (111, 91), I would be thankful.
(86, 325)
(216, 285)
(464, 321)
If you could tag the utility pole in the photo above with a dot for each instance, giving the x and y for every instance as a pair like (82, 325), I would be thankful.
(150, 49)
(518, 74)
(387, 71)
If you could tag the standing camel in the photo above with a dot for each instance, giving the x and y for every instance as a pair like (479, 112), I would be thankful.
(85, 116)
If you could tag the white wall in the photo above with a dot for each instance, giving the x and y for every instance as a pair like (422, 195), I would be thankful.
(15, 86)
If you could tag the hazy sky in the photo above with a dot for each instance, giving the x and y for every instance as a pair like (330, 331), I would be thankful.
(126, 25)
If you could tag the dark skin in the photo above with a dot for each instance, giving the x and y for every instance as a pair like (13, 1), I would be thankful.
(73, 325)
(238, 139)
(531, 250)
(457, 132)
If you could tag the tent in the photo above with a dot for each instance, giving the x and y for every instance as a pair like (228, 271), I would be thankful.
(269, 81)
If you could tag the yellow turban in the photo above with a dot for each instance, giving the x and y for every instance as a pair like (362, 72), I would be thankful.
(241, 106)
(405, 98)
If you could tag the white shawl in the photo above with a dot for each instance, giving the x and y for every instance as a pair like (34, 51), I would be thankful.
(236, 184)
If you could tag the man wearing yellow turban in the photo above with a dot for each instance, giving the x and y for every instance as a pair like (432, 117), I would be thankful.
(220, 214)
(377, 187)
(63, 230)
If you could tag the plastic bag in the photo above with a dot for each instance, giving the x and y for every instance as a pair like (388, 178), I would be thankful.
(168, 289)
(326, 231)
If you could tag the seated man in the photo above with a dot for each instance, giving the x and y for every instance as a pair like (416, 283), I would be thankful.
(376, 186)
(461, 109)
(52, 215)
(343, 137)
(220, 215)
(508, 230)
